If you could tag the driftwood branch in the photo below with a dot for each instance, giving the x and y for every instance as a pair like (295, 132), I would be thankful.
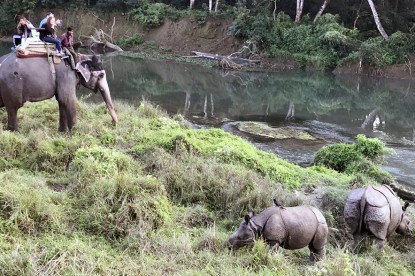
(228, 62)
(97, 17)
(99, 39)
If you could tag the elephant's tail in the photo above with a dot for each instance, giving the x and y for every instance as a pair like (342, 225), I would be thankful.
(362, 212)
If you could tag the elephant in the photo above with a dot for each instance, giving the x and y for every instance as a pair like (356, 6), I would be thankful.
(376, 210)
(288, 227)
(36, 79)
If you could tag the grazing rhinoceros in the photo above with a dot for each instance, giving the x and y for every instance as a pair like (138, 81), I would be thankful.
(288, 227)
(376, 211)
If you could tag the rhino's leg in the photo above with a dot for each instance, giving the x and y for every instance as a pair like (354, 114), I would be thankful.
(274, 245)
(358, 239)
(379, 243)
(316, 246)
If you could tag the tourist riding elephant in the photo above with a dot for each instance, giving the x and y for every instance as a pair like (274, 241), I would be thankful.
(288, 227)
(376, 210)
(35, 79)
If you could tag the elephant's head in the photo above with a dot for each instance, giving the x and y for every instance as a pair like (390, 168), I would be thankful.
(244, 235)
(405, 226)
(93, 77)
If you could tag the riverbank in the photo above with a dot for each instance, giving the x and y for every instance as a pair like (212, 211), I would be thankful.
(152, 196)
(176, 39)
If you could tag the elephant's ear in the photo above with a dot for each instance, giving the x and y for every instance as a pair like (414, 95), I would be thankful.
(83, 68)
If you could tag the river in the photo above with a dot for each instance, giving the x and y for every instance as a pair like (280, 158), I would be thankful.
(333, 108)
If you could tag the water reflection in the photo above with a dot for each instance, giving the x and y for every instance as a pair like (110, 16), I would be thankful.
(335, 107)
(354, 102)
(5, 47)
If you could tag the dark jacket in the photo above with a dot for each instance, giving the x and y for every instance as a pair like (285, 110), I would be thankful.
(47, 31)
(23, 30)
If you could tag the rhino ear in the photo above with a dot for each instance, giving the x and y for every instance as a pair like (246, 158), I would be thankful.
(247, 218)
(406, 205)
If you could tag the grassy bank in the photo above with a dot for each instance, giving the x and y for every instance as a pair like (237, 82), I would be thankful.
(152, 196)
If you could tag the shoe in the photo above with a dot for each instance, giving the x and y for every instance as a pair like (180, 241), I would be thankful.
(59, 54)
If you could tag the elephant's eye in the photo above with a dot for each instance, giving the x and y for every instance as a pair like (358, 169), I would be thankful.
(101, 75)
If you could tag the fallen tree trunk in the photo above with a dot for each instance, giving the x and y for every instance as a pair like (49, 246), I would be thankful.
(228, 62)
(99, 41)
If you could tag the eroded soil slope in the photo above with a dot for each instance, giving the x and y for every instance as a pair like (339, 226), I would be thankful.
(185, 35)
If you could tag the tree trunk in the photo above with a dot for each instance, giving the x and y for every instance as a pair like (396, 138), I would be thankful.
(323, 7)
(370, 118)
(377, 21)
(300, 4)
(210, 5)
(275, 9)
(291, 112)
(187, 103)
(216, 5)
(192, 3)
(357, 15)
(205, 108)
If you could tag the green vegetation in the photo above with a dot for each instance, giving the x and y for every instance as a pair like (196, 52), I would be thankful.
(153, 196)
(363, 157)
(345, 32)
(130, 41)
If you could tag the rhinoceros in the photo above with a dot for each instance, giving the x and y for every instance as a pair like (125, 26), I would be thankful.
(288, 227)
(376, 211)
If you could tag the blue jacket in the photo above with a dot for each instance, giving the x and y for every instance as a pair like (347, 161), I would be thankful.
(44, 20)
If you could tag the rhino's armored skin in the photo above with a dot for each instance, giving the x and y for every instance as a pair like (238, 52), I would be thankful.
(376, 211)
(288, 227)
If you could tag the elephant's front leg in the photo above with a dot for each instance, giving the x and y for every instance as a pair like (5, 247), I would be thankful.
(63, 123)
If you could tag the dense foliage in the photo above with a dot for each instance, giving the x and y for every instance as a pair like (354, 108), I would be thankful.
(350, 34)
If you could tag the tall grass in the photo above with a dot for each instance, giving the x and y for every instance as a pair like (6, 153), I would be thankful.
(151, 196)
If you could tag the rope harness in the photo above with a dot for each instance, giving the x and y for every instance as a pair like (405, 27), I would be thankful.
(51, 64)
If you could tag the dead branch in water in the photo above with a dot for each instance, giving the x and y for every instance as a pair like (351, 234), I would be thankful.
(227, 62)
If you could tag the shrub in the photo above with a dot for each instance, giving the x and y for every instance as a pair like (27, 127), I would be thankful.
(337, 157)
(131, 41)
(363, 157)
(150, 14)
(379, 53)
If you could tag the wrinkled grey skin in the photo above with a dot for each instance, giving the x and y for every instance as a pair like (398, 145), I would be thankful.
(31, 79)
(288, 227)
(376, 211)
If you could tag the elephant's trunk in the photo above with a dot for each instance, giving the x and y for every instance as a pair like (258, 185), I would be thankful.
(105, 92)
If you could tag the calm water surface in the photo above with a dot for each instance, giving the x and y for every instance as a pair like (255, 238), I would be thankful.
(333, 108)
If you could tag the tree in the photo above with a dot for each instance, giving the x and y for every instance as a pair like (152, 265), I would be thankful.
(322, 8)
(299, 11)
(377, 20)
